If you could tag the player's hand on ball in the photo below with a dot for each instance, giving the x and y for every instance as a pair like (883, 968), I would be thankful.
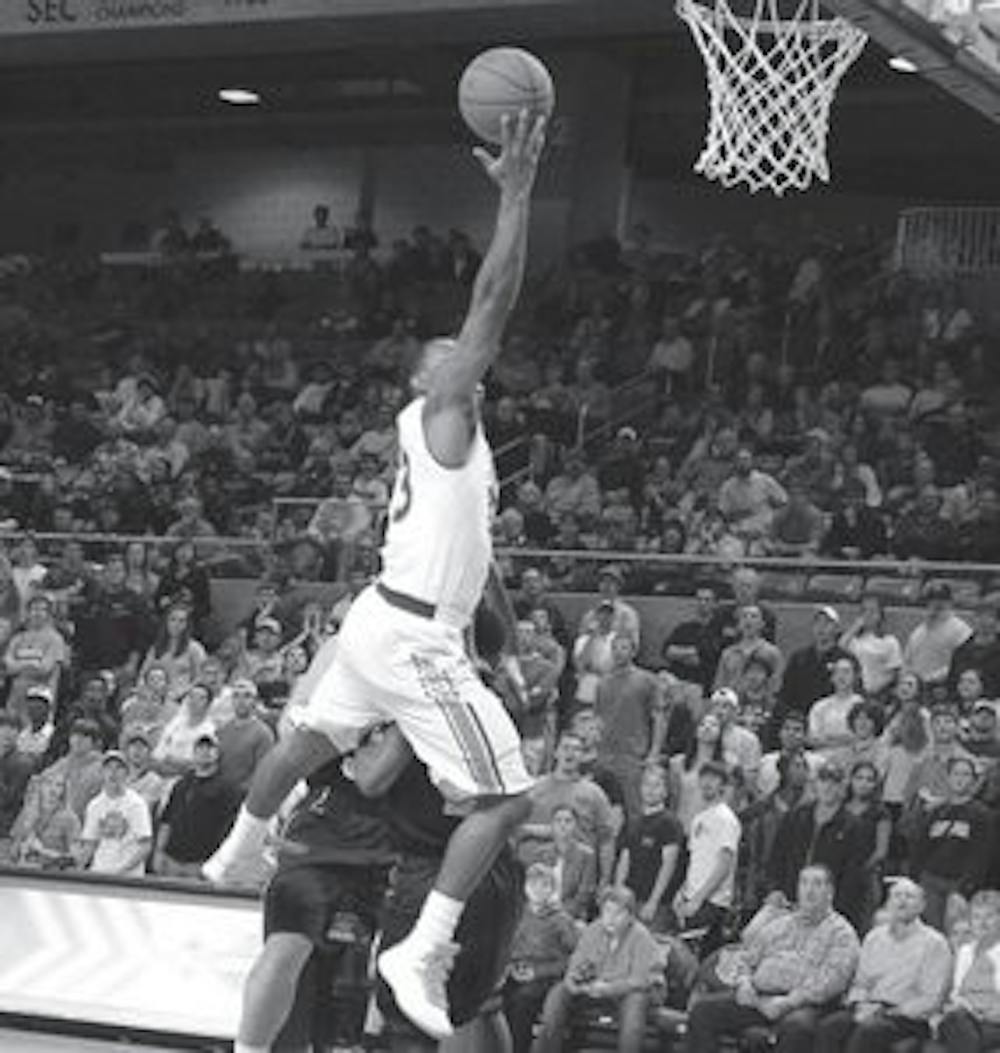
(513, 169)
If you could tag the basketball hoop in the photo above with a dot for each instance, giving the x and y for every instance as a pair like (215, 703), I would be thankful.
(771, 82)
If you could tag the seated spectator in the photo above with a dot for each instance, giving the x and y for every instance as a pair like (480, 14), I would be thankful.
(140, 578)
(177, 651)
(798, 965)
(592, 652)
(829, 730)
(707, 895)
(185, 583)
(16, 769)
(142, 410)
(951, 853)
(47, 829)
(566, 785)
(791, 740)
(574, 491)
(929, 783)
(117, 829)
(981, 650)
(625, 618)
(864, 805)
(757, 697)
(797, 529)
(740, 745)
(922, 532)
(631, 706)
(245, 740)
(856, 531)
(685, 768)
(190, 522)
(78, 773)
(36, 655)
(876, 650)
(539, 954)
(147, 783)
(751, 643)
(174, 753)
(745, 585)
(692, 649)
(822, 831)
(650, 856)
(900, 984)
(807, 675)
(150, 708)
(971, 1021)
(614, 965)
(37, 728)
(198, 814)
(980, 736)
(573, 862)
(749, 498)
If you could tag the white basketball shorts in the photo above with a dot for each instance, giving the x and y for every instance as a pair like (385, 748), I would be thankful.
(391, 665)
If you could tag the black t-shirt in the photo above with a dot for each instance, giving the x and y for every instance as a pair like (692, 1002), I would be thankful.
(111, 628)
(645, 840)
(199, 813)
(337, 824)
(412, 807)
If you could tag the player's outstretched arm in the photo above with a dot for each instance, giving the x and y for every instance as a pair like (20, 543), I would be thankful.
(499, 280)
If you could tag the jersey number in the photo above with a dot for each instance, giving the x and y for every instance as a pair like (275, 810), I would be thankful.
(402, 496)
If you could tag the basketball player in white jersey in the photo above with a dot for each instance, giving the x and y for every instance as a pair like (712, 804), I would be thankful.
(400, 654)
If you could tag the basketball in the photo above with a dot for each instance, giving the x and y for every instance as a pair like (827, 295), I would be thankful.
(499, 81)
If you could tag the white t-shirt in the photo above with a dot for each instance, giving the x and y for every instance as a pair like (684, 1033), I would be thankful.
(828, 726)
(880, 658)
(179, 736)
(930, 647)
(117, 824)
(713, 830)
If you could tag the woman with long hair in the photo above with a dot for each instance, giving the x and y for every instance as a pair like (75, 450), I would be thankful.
(907, 736)
(185, 581)
(174, 753)
(705, 746)
(864, 802)
(877, 650)
(177, 651)
(148, 709)
(828, 727)
(139, 577)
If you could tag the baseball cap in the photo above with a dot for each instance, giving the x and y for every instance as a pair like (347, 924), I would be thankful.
(114, 755)
(268, 623)
(831, 770)
(827, 611)
(40, 691)
(611, 570)
(937, 590)
(725, 696)
(628, 433)
(137, 735)
(207, 736)
(245, 684)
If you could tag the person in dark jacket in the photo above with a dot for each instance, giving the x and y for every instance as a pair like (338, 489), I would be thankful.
(982, 650)
(953, 850)
(807, 675)
(822, 832)
(856, 530)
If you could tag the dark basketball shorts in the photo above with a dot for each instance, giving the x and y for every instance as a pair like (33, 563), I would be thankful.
(484, 935)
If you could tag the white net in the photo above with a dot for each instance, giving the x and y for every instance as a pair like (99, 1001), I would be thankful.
(771, 82)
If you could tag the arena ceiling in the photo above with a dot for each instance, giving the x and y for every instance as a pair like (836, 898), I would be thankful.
(891, 134)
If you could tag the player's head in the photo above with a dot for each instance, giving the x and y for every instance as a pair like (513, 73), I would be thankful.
(435, 356)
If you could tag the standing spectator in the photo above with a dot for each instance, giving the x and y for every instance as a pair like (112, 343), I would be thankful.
(692, 649)
(631, 705)
(797, 964)
(539, 954)
(823, 832)
(707, 895)
(147, 783)
(877, 651)
(791, 740)
(567, 785)
(613, 965)
(649, 859)
(829, 729)
(533, 596)
(36, 655)
(903, 973)
(981, 650)
(751, 644)
(625, 618)
(176, 649)
(807, 676)
(952, 853)
(573, 862)
(113, 625)
(971, 1022)
(856, 531)
(244, 740)
(932, 644)
(16, 769)
(745, 585)
(748, 498)
(685, 769)
(117, 830)
(740, 746)
(865, 806)
(593, 653)
(198, 814)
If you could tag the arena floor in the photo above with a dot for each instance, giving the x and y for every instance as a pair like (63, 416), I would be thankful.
(29, 1042)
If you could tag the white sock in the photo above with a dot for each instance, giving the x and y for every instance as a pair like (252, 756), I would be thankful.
(246, 837)
(438, 920)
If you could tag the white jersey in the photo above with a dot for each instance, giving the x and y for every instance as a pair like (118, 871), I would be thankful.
(438, 542)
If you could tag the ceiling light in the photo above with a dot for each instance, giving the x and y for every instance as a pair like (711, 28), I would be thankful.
(239, 96)
(901, 64)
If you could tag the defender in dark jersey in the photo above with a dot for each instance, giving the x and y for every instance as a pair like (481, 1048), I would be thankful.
(333, 865)
(420, 825)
